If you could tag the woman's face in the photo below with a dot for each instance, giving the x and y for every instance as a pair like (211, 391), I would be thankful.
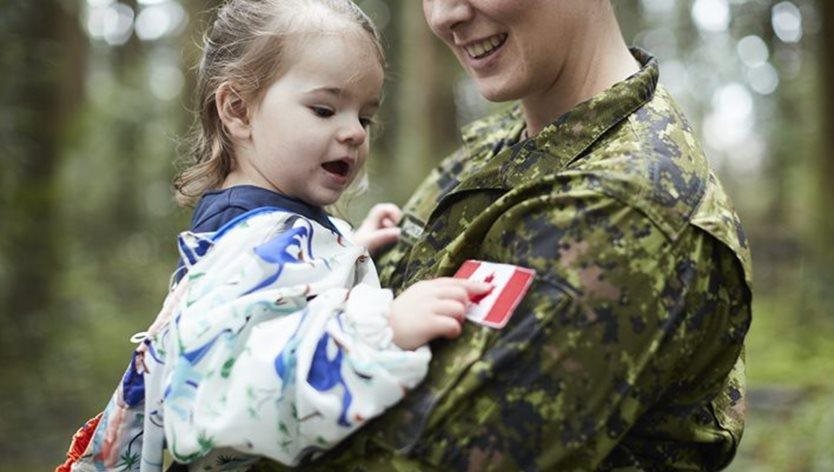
(513, 49)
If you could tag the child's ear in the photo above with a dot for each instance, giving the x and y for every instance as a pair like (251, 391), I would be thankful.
(233, 110)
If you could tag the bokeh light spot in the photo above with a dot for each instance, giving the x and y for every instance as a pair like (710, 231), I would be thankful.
(711, 15)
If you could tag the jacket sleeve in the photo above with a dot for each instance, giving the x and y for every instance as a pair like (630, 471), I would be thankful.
(282, 350)
(277, 345)
(290, 385)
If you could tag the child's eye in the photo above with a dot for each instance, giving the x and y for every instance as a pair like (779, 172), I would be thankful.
(366, 122)
(322, 112)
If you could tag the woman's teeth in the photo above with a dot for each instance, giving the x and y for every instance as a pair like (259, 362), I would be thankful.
(482, 48)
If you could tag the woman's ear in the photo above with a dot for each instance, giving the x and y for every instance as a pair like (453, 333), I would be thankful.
(233, 111)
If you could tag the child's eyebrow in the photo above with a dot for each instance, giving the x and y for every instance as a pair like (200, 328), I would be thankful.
(330, 90)
(339, 93)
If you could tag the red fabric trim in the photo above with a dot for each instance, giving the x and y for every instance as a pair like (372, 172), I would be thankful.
(80, 441)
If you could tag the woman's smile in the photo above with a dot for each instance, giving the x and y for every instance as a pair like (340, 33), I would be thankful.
(485, 47)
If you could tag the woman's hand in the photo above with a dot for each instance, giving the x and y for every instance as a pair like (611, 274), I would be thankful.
(379, 228)
(432, 309)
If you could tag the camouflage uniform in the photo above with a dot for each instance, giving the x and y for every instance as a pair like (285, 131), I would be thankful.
(627, 353)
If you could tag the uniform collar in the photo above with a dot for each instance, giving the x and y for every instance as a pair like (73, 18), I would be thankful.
(559, 143)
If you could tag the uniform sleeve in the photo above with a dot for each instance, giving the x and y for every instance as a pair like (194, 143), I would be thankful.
(623, 330)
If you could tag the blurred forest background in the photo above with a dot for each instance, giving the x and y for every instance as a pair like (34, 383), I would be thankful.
(95, 98)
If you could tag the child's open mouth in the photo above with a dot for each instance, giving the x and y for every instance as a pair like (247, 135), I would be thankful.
(340, 168)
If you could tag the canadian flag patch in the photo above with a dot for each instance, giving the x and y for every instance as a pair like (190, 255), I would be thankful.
(495, 308)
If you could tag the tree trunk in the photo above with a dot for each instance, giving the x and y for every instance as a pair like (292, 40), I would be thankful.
(425, 116)
(43, 59)
(825, 195)
(44, 62)
(128, 65)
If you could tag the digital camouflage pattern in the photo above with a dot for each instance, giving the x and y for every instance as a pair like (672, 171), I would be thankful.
(627, 353)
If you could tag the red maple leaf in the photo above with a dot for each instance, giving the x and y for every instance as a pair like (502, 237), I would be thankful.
(477, 298)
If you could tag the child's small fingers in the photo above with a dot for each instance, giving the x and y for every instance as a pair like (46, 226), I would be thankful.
(381, 238)
(453, 292)
(450, 308)
(468, 288)
(386, 236)
(474, 287)
(444, 326)
(459, 316)
(387, 211)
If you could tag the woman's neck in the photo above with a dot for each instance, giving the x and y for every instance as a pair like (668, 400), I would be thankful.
(592, 67)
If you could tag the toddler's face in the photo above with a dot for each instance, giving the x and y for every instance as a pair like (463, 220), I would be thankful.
(309, 135)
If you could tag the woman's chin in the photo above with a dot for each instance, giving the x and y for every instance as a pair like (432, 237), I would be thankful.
(497, 92)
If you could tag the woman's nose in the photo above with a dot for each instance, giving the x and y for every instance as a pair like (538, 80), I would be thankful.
(444, 15)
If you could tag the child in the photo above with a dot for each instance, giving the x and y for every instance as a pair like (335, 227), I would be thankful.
(276, 339)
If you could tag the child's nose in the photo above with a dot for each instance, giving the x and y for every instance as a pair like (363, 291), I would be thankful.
(354, 133)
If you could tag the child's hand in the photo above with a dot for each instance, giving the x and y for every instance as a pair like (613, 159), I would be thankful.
(379, 229)
(431, 309)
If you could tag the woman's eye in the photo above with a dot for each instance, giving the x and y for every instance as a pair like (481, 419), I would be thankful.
(322, 112)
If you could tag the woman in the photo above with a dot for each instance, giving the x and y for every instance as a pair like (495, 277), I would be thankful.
(627, 350)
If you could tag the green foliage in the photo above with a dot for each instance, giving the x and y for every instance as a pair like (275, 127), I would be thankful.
(791, 403)
(791, 340)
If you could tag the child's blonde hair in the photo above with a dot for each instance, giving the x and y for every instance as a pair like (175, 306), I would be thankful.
(244, 46)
